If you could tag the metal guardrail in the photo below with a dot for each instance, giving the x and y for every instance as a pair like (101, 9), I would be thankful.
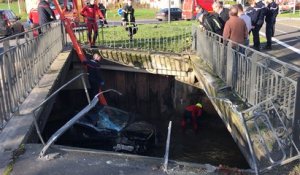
(72, 121)
(270, 86)
(175, 40)
(24, 58)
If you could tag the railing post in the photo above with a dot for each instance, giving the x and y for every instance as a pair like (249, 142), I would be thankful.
(253, 77)
(230, 61)
(296, 127)
(194, 34)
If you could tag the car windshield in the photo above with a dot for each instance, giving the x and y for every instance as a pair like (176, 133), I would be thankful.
(112, 118)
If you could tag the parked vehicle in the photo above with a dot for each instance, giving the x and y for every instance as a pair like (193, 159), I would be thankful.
(189, 7)
(115, 128)
(162, 15)
(10, 23)
(70, 8)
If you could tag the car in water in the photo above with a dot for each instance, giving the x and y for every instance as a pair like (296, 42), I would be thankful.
(162, 15)
(117, 129)
(10, 23)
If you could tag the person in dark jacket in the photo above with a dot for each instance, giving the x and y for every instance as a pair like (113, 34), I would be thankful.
(272, 12)
(95, 78)
(103, 11)
(221, 11)
(211, 23)
(128, 19)
(191, 114)
(257, 14)
(46, 14)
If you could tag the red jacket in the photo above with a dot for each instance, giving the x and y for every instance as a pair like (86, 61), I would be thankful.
(33, 16)
(91, 12)
(196, 111)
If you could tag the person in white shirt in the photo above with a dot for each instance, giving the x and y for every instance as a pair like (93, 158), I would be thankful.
(246, 19)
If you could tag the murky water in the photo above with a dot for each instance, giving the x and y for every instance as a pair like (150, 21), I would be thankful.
(212, 144)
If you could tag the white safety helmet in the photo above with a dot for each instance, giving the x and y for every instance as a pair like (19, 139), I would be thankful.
(92, 2)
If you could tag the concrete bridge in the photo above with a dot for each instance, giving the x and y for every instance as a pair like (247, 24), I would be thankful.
(255, 94)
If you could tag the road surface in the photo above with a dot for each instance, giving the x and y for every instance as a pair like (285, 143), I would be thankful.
(286, 42)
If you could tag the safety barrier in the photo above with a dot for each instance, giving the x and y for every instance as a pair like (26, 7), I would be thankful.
(24, 58)
(170, 39)
(269, 86)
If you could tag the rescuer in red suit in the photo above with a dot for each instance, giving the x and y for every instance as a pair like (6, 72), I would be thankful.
(90, 12)
(192, 114)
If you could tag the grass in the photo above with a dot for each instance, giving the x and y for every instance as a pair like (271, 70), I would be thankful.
(139, 14)
(290, 14)
(16, 153)
(15, 9)
(174, 37)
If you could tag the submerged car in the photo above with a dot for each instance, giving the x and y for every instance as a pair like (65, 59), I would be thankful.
(116, 129)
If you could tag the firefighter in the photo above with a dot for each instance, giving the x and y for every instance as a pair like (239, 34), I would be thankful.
(103, 11)
(192, 114)
(90, 12)
(95, 78)
(257, 14)
(272, 12)
(128, 19)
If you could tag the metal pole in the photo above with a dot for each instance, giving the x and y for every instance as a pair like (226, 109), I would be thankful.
(294, 9)
(8, 3)
(166, 158)
(169, 12)
(19, 6)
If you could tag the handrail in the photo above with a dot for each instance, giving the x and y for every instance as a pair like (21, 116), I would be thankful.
(72, 121)
(51, 96)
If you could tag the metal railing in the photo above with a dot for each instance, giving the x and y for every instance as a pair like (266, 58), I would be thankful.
(170, 39)
(24, 58)
(269, 85)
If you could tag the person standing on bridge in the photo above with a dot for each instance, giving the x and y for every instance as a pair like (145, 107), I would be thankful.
(221, 11)
(90, 12)
(246, 19)
(257, 13)
(46, 14)
(191, 114)
(235, 28)
(128, 19)
(272, 12)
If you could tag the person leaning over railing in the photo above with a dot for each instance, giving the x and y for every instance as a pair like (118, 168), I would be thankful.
(211, 23)
(235, 28)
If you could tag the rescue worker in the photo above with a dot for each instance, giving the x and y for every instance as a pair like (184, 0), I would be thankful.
(90, 12)
(103, 11)
(128, 19)
(257, 14)
(211, 23)
(93, 68)
(46, 14)
(192, 114)
(272, 12)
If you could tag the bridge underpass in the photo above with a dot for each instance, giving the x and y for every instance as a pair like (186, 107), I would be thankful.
(232, 104)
